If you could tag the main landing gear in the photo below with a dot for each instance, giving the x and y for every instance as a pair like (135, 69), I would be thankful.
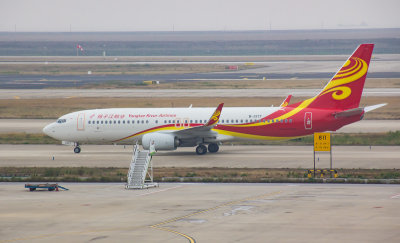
(202, 149)
(213, 148)
(77, 149)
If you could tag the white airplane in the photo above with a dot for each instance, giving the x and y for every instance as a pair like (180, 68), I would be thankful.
(334, 107)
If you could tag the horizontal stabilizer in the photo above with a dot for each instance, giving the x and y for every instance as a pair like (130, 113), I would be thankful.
(357, 111)
(348, 113)
(373, 107)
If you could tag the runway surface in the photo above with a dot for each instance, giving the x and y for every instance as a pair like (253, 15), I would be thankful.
(268, 67)
(252, 156)
(159, 93)
(201, 213)
(74, 81)
(36, 126)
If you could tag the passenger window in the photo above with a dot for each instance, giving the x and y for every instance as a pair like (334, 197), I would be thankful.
(156, 121)
(128, 121)
(290, 120)
(88, 122)
(147, 121)
(105, 122)
(241, 121)
(123, 122)
(97, 122)
(285, 120)
(119, 122)
(142, 122)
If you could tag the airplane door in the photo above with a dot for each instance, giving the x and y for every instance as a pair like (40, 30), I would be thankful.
(81, 122)
(308, 120)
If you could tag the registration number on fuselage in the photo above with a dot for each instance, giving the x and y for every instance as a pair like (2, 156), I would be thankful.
(255, 116)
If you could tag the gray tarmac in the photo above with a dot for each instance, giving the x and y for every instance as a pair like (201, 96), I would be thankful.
(238, 156)
(36, 126)
(201, 213)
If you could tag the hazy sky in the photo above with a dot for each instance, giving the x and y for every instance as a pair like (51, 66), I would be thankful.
(183, 15)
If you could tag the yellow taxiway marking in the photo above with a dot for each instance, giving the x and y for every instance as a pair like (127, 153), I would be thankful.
(191, 240)
(17, 97)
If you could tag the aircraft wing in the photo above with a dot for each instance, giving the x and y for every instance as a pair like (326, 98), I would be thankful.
(203, 129)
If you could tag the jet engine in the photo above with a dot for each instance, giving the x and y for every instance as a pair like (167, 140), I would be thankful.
(162, 141)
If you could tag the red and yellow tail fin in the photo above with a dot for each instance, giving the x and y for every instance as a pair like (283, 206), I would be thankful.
(344, 90)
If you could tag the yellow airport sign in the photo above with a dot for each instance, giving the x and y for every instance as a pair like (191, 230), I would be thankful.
(322, 141)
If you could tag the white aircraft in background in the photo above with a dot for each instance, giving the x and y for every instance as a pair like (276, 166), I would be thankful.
(335, 106)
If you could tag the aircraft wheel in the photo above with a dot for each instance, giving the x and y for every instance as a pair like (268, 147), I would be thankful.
(77, 150)
(201, 149)
(213, 148)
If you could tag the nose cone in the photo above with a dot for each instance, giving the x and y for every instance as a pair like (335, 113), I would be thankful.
(48, 130)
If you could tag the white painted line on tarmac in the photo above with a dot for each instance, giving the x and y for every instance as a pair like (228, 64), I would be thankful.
(162, 190)
(395, 196)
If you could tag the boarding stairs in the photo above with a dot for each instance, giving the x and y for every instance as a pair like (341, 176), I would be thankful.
(139, 175)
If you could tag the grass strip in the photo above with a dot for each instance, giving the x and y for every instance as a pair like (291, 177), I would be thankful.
(173, 174)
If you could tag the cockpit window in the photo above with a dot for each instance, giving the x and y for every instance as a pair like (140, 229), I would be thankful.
(61, 120)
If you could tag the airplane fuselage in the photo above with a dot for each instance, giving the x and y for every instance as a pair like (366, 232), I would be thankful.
(130, 124)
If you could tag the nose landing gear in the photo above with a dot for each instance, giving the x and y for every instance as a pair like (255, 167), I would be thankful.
(77, 149)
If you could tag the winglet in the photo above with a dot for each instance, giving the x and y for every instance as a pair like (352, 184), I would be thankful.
(215, 116)
(286, 101)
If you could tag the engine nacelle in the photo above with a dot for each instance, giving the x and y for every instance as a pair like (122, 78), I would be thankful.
(162, 141)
